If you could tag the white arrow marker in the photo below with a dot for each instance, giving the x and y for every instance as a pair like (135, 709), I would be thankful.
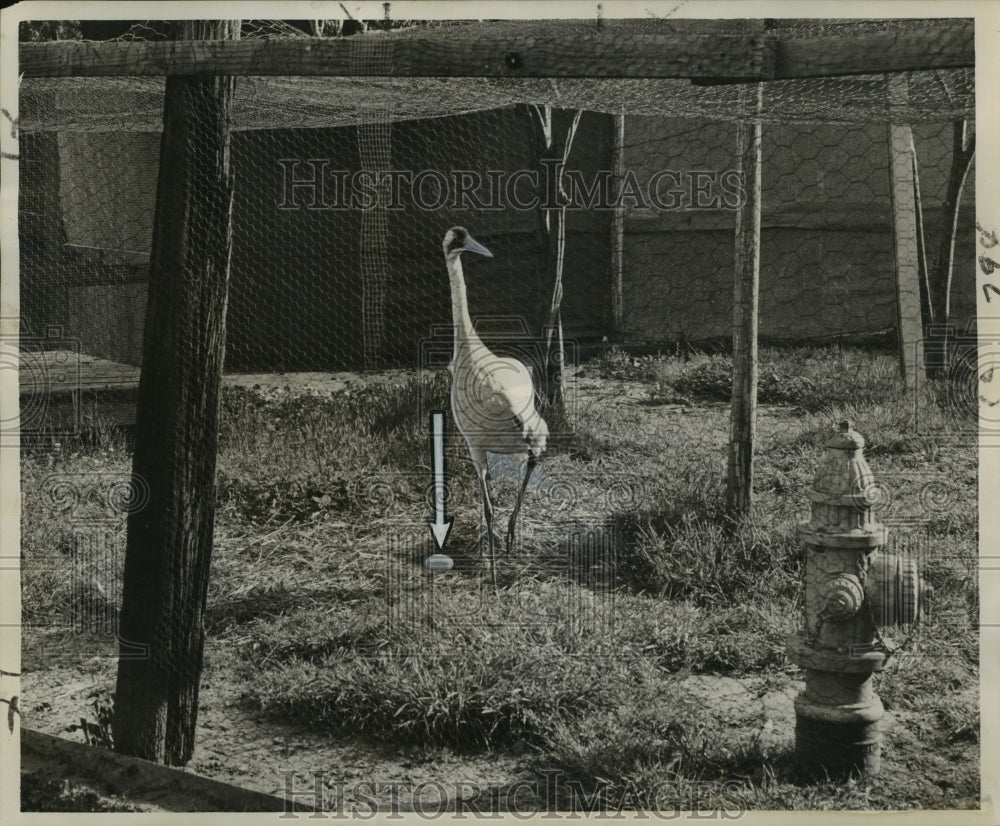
(440, 527)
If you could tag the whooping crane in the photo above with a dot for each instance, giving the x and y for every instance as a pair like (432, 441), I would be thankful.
(492, 397)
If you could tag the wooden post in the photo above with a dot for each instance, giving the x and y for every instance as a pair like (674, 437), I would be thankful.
(169, 542)
(618, 234)
(743, 422)
(909, 326)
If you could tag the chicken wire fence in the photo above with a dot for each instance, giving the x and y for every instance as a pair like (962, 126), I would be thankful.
(344, 188)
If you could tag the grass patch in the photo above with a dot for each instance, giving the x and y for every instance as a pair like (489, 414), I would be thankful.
(472, 675)
(684, 637)
(45, 794)
(713, 562)
(317, 448)
(681, 745)
(807, 378)
(63, 486)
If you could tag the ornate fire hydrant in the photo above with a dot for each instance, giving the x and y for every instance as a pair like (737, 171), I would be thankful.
(852, 590)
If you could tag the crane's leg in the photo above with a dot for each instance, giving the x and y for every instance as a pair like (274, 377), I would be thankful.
(482, 474)
(530, 466)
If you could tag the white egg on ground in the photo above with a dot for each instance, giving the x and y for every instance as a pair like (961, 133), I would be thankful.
(439, 562)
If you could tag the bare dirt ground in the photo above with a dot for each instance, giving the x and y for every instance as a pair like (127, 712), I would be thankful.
(239, 747)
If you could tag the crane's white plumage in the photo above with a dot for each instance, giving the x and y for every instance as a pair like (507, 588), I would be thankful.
(492, 397)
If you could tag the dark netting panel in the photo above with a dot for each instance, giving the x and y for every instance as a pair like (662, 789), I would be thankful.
(135, 103)
(316, 286)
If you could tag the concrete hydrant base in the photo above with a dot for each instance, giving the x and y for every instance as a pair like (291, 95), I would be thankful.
(840, 748)
(837, 722)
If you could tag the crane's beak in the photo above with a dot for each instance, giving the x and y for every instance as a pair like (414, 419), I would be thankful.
(471, 245)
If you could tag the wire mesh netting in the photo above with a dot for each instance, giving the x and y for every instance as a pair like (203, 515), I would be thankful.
(313, 283)
(343, 190)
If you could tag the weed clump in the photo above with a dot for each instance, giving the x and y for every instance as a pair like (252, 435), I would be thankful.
(317, 448)
(810, 379)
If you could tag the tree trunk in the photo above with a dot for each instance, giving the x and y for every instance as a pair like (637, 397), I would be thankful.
(743, 421)
(556, 130)
(964, 150)
(926, 313)
(169, 542)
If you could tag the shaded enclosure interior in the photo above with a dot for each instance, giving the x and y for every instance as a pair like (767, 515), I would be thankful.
(317, 287)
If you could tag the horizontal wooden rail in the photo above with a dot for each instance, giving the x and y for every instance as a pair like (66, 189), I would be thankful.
(553, 52)
(951, 46)
(169, 788)
(456, 54)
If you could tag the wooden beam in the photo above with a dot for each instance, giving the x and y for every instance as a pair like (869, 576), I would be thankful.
(140, 780)
(950, 46)
(519, 54)
(909, 324)
(743, 414)
(559, 49)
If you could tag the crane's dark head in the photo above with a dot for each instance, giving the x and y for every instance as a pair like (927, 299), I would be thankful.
(457, 240)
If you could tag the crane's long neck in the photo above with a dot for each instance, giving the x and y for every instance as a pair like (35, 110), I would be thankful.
(464, 331)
